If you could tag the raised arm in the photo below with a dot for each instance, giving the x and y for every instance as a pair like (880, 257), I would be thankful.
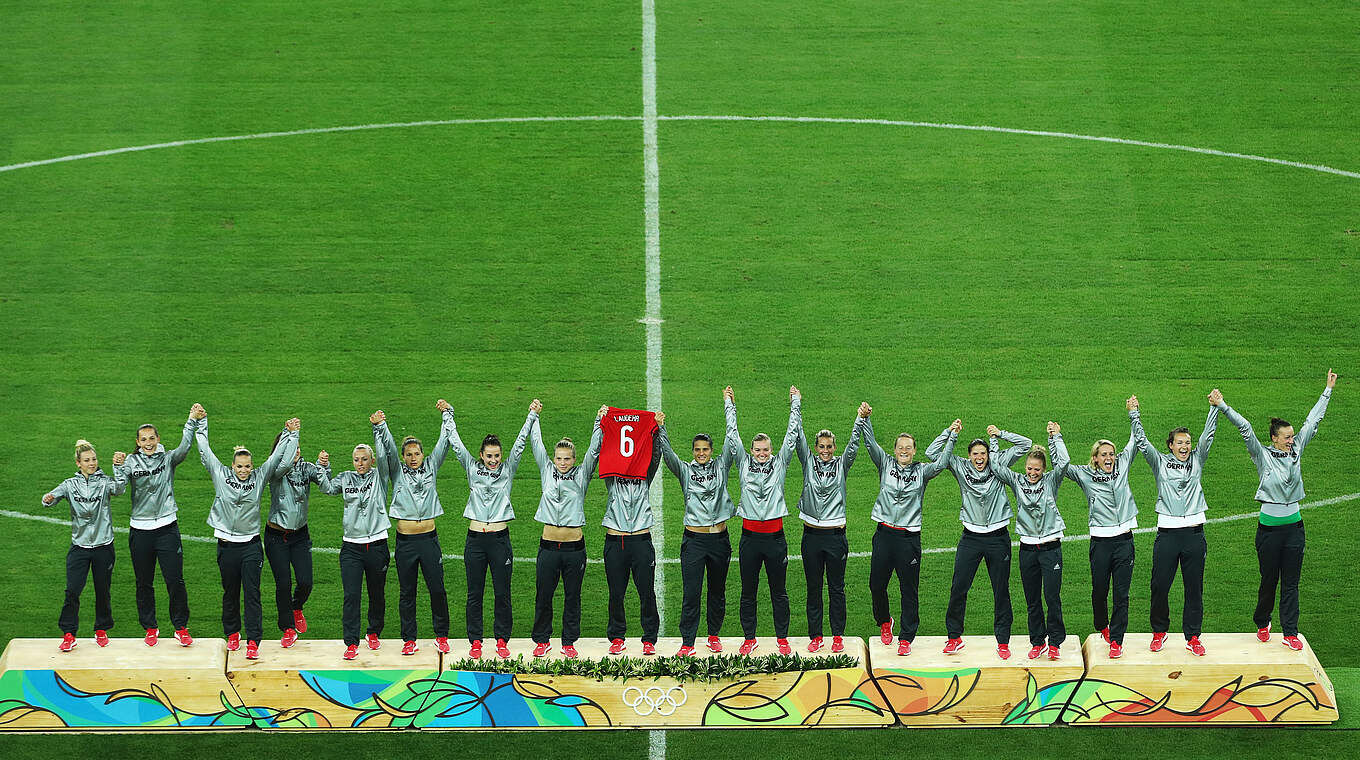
(281, 460)
(945, 452)
(876, 454)
(517, 450)
(794, 442)
(216, 470)
(732, 438)
(1254, 448)
(536, 445)
(181, 452)
(1135, 428)
(1001, 471)
(1140, 439)
(1019, 446)
(1057, 450)
(668, 455)
(1315, 416)
(382, 461)
(852, 445)
(1206, 438)
(389, 459)
(459, 450)
(441, 446)
(593, 452)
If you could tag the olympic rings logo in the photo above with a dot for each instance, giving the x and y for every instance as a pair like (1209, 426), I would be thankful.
(654, 699)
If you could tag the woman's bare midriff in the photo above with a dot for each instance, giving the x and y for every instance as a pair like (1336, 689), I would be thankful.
(562, 533)
(477, 526)
(414, 527)
(719, 528)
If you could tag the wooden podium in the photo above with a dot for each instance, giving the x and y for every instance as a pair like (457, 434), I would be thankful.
(1240, 680)
(975, 687)
(124, 686)
(310, 685)
(130, 687)
(842, 697)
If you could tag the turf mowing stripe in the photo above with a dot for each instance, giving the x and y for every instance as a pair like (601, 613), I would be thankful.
(674, 561)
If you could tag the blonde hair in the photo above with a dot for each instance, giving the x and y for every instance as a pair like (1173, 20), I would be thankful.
(1037, 452)
(566, 443)
(367, 448)
(82, 446)
(900, 436)
(759, 437)
(1096, 447)
(824, 433)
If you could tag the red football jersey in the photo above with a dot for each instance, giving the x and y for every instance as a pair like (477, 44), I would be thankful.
(626, 450)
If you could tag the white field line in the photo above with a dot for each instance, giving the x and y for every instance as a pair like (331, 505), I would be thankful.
(656, 740)
(1030, 132)
(315, 131)
(675, 561)
(792, 119)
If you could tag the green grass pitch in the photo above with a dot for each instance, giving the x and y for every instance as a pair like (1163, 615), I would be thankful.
(936, 273)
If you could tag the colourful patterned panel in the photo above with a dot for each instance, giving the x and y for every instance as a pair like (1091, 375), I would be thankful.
(32, 699)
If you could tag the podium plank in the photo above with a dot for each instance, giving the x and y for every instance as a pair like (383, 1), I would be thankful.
(124, 686)
(1240, 680)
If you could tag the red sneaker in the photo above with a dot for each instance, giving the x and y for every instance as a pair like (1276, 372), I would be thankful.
(233, 642)
(1053, 653)
(1003, 651)
(475, 651)
(68, 642)
(783, 646)
(714, 644)
(252, 650)
(289, 638)
(648, 648)
(1105, 633)
(183, 637)
(542, 648)
(373, 642)
(815, 645)
(1194, 646)
(152, 636)
(351, 652)
(442, 644)
(101, 638)
(1158, 639)
(903, 648)
(299, 621)
(569, 651)
(685, 651)
(1293, 643)
(748, 646)
(502, 651)
(616, 646)
(1036, 651)
(953, 646)
(1263, 634)
(885, 632)
(1116, 650)
(837, 644)
(410, 648)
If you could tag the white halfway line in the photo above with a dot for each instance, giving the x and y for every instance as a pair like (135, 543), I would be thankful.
(656, 740)
(674, 561)
(791, 119)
